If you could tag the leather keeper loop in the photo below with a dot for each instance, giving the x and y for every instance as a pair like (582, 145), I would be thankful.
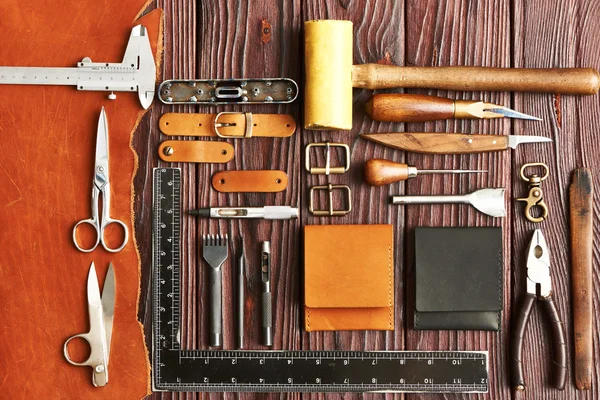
(195, 151)
(258, 181)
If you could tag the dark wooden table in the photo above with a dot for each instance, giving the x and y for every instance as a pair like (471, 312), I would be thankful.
(224, 38)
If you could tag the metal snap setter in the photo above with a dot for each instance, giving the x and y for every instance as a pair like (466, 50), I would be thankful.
(536, 195)
(328, 169)
(331, 212)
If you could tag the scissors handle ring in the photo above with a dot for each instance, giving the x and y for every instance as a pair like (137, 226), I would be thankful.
(93, 222)
(105, 224)
(84, 336)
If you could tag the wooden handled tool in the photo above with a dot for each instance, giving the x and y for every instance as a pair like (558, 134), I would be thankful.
(581, 193)
(330, 77)
(450, 143)
(383, 172)
(399, 107)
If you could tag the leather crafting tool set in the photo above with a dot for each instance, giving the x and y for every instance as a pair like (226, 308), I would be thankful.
(349, 270)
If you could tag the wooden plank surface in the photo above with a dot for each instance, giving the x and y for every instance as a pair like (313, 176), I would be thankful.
(222, 38)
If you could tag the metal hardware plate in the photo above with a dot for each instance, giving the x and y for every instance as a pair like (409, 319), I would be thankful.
(228, 91)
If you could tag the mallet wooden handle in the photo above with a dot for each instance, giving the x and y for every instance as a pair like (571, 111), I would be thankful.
(581, 195)
(551, 80)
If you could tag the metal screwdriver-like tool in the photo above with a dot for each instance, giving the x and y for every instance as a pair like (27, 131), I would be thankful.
(240, 296)
(267, 300)
(397, 107)
(380, 172)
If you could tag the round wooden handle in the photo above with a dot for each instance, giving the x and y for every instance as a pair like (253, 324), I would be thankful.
(548, 80)
(383, 172)
(409, 107)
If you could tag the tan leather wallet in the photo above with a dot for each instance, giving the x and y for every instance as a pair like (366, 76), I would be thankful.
(348, 277)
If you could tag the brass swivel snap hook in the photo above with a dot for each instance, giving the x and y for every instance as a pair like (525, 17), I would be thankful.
(536, 195)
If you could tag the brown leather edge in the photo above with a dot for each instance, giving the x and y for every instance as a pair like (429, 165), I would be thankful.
(158, 59)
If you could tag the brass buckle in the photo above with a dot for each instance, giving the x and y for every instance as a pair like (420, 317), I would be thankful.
(217, 125)
(328, 169)
(331, 212)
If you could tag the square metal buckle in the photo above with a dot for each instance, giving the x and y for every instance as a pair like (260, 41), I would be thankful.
(328, 169)
(217, 125)
(330, 188)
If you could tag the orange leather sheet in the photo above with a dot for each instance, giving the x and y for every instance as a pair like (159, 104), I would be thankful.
(47, 146)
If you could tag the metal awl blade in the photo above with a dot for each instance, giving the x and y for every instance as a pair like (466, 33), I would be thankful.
(501, 111)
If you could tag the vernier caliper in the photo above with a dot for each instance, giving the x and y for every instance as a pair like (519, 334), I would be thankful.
(137, 72)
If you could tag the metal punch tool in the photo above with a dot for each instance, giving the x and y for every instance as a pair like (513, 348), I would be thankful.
(215, 252)
(539, 286)
(101, 312)
(101, 185)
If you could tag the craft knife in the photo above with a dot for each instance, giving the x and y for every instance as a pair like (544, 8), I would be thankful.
(451, 143)
(267, 300)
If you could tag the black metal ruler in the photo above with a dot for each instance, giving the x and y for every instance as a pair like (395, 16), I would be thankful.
(279, 371)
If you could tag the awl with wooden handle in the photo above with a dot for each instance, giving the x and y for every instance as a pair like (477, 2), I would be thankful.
(450, 143)
(404, 107)
(581, 193)
(380, 172)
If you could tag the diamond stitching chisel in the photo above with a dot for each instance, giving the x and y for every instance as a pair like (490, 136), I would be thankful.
(214, 252)
(401, 107)
(451, 143)
(136, 73)
(383, 172)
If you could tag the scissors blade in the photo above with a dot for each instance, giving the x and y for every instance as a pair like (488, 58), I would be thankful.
(108, 304)
(101, 170)
(93, 291)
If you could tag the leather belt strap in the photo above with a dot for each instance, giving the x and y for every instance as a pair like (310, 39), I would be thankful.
(227, 125)
(195, 151)
(264, 181)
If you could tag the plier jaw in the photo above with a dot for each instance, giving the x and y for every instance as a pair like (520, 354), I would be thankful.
(539, 282)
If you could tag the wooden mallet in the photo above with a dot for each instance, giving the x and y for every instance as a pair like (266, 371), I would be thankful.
(330, 77)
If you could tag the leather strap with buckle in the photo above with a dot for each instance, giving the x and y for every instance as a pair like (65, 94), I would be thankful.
(257, 181)
(195, 151)
(229, 125)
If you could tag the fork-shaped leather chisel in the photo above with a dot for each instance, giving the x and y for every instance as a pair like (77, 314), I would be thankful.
(214, 252)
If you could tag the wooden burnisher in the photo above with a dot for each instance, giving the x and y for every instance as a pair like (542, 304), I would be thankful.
(328, 59)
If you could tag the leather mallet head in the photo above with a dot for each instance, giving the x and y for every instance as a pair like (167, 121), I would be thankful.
(328, 64)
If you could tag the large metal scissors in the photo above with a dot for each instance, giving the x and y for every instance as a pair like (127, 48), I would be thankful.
(101, 184)
(101, 312)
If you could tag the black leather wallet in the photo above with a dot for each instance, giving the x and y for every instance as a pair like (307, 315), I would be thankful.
(459, 278)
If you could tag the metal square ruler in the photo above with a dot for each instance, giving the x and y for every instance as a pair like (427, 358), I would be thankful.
(174, 369)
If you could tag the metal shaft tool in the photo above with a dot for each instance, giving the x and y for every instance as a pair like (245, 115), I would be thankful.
(136, 73)
(383, 172)
(240, 296)
(214, 252)
(488, 201)
(267, 300)
(450, 143)
(408, 107)
(581, 195)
